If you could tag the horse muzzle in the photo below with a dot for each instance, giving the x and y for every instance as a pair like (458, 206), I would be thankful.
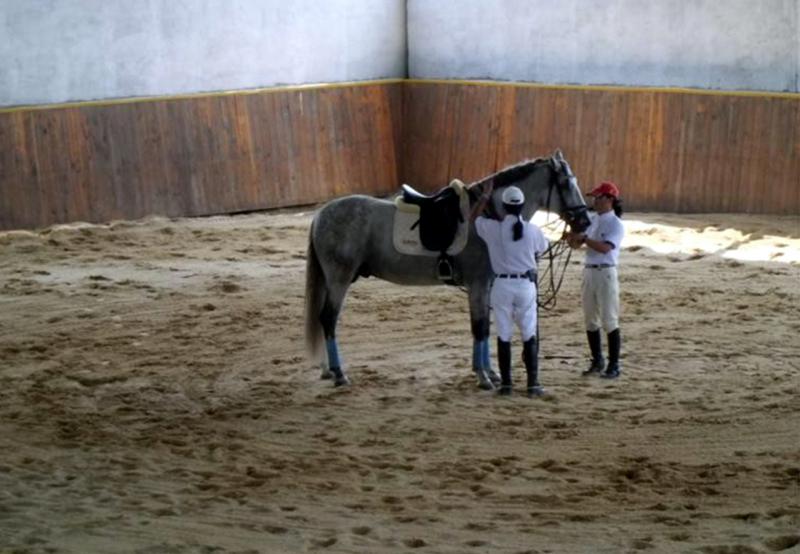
(577, 219)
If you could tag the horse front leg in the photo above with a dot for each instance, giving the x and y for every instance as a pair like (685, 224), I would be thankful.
(479, 319)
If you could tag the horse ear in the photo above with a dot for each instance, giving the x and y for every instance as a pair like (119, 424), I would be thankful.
(557, 159)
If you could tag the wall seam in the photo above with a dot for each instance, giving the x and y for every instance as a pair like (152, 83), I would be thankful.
(407, 69)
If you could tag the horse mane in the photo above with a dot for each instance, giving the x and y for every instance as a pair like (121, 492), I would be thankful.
(503, 178)
(509, 175)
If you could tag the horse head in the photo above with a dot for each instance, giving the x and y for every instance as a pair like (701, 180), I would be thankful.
(568, 201)
(547, 183)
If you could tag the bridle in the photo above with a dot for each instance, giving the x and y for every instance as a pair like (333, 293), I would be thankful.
(554, 277)
(552, 274)
(569, 213)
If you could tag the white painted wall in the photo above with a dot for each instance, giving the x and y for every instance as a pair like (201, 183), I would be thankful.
(710, 44)
(68, 50)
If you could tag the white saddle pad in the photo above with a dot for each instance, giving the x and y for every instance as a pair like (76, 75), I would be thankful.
(406, 240)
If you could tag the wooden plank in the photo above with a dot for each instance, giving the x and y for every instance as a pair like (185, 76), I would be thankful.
(516, 132)
(385, 104)
(19, 202)
(474, 143)
(789, 178)
(582, 155)
(428, 129)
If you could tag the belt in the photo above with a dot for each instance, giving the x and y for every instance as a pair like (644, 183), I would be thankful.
(513, 276)
(599, 266)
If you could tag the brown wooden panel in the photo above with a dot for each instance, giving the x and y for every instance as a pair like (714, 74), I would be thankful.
(668, 150)
(17, 170)
(428, 134)
(197, 156)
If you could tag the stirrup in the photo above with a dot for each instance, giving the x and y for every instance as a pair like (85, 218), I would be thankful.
(444, 270)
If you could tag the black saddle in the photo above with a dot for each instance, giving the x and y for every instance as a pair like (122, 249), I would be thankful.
(412, 196)
(439, 216)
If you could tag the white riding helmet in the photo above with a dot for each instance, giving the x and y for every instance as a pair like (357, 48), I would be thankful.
(513, 196)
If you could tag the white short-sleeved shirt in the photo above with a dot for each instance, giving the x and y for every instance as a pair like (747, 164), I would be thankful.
(505, 254)
(608, 228)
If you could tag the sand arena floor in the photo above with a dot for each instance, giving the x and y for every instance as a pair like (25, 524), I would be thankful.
(155, 397)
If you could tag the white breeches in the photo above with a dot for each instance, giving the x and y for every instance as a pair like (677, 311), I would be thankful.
(600, 298)
(514, 301)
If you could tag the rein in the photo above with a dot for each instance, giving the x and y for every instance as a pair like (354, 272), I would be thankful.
(548, 296)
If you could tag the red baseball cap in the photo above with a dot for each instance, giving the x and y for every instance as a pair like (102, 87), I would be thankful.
(606, 187)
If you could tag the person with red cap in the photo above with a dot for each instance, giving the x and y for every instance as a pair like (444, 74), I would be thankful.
(600, 289)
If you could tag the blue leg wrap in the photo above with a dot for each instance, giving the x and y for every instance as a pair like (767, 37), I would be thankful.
(480, 354)
(333, 354)
(485, 360)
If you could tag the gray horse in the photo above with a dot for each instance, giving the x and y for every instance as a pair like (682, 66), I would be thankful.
(351, 237)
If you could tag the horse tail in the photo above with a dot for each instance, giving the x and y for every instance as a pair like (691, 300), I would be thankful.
(315, 297)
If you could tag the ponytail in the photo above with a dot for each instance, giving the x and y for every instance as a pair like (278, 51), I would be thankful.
(516, 209)
(518, 228)
(617, 205)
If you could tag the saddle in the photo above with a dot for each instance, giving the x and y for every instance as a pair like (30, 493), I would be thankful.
(441, 216)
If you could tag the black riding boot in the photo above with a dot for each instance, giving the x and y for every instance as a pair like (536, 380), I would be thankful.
(614, 347)
(596, 347)
(530, 354)
(504, 361)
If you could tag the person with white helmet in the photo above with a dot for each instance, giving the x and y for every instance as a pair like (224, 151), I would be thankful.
(600, 290)
(514, 247)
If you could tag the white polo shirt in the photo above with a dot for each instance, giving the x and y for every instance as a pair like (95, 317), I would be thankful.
(505, 254)
(608, 228)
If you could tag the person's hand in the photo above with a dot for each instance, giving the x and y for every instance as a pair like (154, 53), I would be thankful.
(575, 240)
(483, 199)
(487, 190)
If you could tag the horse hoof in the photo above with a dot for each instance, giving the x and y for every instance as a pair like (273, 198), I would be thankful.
(341, 381)
(484, 381)
(493, 376)
(326, 374)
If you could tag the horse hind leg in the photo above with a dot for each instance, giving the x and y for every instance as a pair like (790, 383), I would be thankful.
(328, 318)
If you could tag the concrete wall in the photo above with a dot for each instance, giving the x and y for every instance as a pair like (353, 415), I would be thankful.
(59, 51)
(710, 44)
